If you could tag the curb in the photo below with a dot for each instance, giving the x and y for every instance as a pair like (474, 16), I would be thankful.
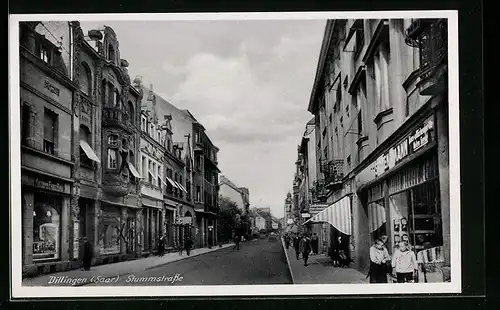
(287, 260)
(185, 257)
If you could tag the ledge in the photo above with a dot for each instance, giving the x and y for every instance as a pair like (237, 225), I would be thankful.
(47, 155)
(381, 115)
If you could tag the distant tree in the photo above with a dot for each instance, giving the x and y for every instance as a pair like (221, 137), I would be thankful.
(229, 218)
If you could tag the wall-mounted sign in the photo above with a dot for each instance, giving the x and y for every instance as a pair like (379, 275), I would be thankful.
(51, 88)
(305, 215)
(415, 140)
(317, 208)
(53, 186)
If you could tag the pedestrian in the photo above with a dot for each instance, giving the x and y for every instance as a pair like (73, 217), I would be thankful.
(404, 263)
(287, 241)
(305, 246)
(161, 246)
(88, 253)
(379, 262)
(296, 245)
(315, 243)
(180, 246)
(236, 242)
(187, 245)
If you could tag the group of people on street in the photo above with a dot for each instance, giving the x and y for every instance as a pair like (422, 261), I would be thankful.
(402, 266)
(186, 245)
(302, 244)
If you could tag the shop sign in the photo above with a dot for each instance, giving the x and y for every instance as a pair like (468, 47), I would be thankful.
(53, 186)
(305, 215)
(317, 208)
(414, 141)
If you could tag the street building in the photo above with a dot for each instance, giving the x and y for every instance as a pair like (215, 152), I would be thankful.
(380, 105)
(240, 195)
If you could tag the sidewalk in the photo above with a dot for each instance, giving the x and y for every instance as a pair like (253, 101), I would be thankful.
(123, 268)
(320, 270)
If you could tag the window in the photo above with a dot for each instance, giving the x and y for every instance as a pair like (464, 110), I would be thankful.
(131, 112)
(49, 131)
(144, 166)
(347, 110)
(112, 159)
(46, 228)
(131, 159)
(360, 123)
(25, 122)
(159, 136)
(117, 100)
(158, 176)
(144, 123)
(85, 80)
(153, 172)
(169, 145)
(188, 188)
(360, 42)
(111, 95)
(151, 130)
(112, 140)
(349, 161)
(198, 193)
(325, 152)
(45, 53)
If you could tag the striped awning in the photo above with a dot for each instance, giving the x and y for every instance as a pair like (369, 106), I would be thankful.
(337, 214)
(171, 182)
(376, 216)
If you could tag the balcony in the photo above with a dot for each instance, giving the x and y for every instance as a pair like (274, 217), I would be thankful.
(319, 191)
(431, 37)
(334, 173)
(115, 117)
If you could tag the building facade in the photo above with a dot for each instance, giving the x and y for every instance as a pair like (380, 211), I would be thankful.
(380, 104)
(240, 195)
(152, 157)
(79, 144)
(47, 160)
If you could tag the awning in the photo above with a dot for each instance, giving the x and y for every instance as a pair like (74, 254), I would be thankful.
(89, 151)
(181, 187)
(337, 214)
(134, 171)
(171, 182)
(376, 216)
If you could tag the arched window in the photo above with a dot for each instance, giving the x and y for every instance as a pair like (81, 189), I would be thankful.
(85, 79)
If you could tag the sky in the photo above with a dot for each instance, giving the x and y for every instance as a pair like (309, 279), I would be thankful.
(248, 82)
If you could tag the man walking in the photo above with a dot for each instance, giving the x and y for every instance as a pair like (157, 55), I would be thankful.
(296, 245)
(305, 246)
(236, 243)
(315, 243)
(187, 245)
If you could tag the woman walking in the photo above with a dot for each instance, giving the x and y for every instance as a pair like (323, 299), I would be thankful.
(379, 262)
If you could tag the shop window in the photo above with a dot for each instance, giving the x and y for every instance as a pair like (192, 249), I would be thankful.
(112, 159)
(46, 230)
(109, 232)
(49, 131)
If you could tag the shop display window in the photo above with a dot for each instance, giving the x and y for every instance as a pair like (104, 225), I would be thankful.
(46, 231)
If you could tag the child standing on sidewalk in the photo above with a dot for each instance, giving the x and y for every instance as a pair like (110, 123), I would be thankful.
(404, 263)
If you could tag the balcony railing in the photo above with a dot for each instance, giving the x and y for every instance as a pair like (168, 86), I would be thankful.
(115, 116)
(431, 37)
(319, 191)
(334, 173)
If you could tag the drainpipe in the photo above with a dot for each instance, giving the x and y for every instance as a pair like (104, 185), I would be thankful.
(71, 52)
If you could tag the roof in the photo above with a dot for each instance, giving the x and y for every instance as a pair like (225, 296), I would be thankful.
(321, 62)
